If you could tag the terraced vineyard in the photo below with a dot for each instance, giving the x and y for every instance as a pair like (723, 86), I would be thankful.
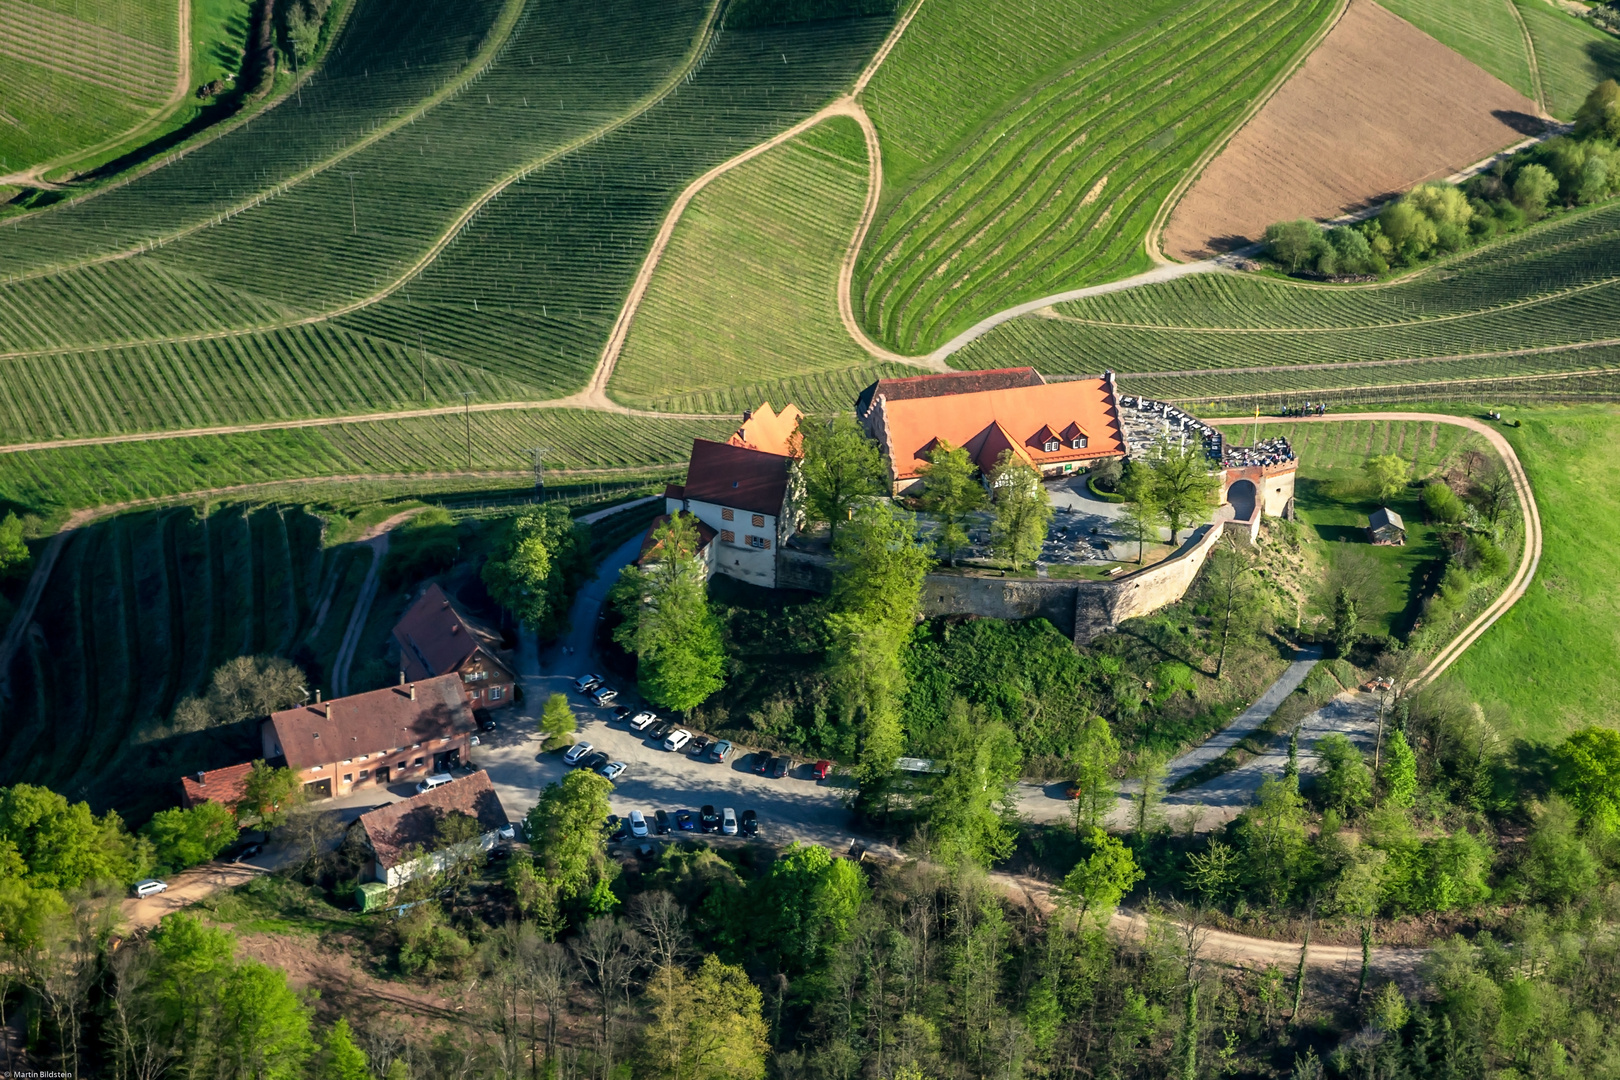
(1545, 302)
(73, 74)
(747, 287)
(520, 297)
(49, 482)
(1486, 33)
(1572, 55)
(1060, 187)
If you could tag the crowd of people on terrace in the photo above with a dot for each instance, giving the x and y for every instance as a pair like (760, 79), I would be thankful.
(1273, 451)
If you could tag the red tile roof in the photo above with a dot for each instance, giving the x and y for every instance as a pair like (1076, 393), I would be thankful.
(772, 432)
(1018, 418)
(224, 786)
(373, 722)
(950, 382)
(737, 477)
(705, 535)
(436, 637)
(395, 827)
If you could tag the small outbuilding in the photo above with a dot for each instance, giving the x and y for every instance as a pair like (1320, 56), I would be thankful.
(1385, 527)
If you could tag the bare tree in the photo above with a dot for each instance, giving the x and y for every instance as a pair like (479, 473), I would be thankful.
(140, 1052)
(505, 957)
(549, 980)
(608, 952)
(662, 921)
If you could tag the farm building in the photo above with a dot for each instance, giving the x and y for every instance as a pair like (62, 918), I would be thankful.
(741, 492)
(1053, 427)
(400, 840)
(436, 637)
(373, 739)
(224, 786)
(1385, 527)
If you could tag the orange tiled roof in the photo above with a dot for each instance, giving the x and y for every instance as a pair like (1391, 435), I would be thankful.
(947, 382)
(225, 786)
(1020, 418)
(772, 432)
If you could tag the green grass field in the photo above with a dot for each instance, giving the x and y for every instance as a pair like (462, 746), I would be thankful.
(1484, 31)
(1056, 182)
(748, 285)
(50, 482)
(1573, 56)
(1553, 660)
(1544, 302)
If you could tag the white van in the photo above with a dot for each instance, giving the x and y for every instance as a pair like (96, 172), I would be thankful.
(436, 780)
(150, 887)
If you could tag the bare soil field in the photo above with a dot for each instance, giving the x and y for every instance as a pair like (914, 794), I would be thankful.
(1378, 107)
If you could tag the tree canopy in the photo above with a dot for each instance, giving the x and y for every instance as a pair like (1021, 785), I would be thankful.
(62, 845)
(565, 832)
(951, 492)
(668, 623)
(542, 558)
(182, 838)
(840, 467)
(1023, 510)
(1183, 487)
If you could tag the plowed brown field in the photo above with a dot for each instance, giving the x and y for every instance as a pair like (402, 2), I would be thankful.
(1378, 107)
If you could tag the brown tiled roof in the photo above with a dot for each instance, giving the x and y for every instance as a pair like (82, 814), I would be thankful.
(772, 432)
(395, 827)
(737, 477)
(705, 534)
(436, 637)
(951, 382)
(989, 421)
(373, 722)
(224, 786)
(675, 491)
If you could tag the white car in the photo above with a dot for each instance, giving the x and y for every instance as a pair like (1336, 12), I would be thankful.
(728, 821)
(677, 739)
(150, 887)
(638, 824)
(577, 753)
(613, 769)
(642, 721)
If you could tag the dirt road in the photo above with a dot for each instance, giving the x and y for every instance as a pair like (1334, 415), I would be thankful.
(187, 887)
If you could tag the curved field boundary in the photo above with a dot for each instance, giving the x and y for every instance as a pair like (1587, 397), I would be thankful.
(486, 55)
(1271, 369)
(1153, 240)
(1528, 560)
(1530, 55)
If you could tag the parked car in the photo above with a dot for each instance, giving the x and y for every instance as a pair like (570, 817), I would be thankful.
(508, 832)
(677, 739)
(247, 852)
(475, 741)
(150, 887)
(615, 828)
(750, 823)
(728, 821)
(594, 762)
(576, 752)
(762, 763)
(720, 751)
(638, 824)
(684, 822)
(603, 695)
(781, 767)
(586, 683)
(431, 782)
(661, 823)
(496, 854)
(708, 820)
(822, 770)
(698, 746)
(620, 712)
(662, 729)
(613, 769)
(643, 720)
(487, 725)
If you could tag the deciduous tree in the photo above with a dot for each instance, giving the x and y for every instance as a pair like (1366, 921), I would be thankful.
(1400, 773)
(1388, 474)
(182, 838)
(1101, 878)
(971, 809)
(1344, 781)
(14, 557)
(1023, 510)
(1235, 600)
(680, 657)
(565, 831)
(267, 795)
(951, 492)
(1183, 486)
(61, 845)
(706, 1026)
(1096, 754)
(557, 721)
(840, 467)
(1589, 776)
(541, 556)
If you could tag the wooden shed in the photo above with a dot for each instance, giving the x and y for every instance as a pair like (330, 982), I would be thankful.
(1384, 526)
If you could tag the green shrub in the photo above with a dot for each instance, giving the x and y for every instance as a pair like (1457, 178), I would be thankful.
(424, 546)
(428, 944)
(182, 838)
(1483, 557)
(1443, 504)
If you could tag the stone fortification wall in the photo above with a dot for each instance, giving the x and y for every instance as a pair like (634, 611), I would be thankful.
(1080, 609)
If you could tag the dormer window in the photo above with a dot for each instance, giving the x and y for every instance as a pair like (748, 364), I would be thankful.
(1051, 446)
(1078, 442)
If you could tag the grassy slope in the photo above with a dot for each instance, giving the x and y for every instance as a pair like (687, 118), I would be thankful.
(1573, 56)
(747, 288)
(1484, 31)
(1555, 285)
(1053, 174)
(1554, 658)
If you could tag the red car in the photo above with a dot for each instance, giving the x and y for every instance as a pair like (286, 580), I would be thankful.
(821, 770)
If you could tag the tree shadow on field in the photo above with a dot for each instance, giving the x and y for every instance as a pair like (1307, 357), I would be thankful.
(1523, 123)
(1605, 58)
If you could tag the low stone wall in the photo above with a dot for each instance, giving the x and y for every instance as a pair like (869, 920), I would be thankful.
(1080, 609)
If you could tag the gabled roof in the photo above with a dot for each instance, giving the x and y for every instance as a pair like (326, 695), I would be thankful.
(950, 382)
(389, 719)
(395, 827)
(774, 433)
(436, 637)
(224, 786)
(705, 535)
(1385, 516)
(1011, 417)
(737, 477)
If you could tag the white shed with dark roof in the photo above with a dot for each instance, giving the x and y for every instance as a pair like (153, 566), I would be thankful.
(1384, 526)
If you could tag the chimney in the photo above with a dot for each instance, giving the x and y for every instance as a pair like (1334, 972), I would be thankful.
(199, 776)
(413, 691)
(317, 695)
(402, 678)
